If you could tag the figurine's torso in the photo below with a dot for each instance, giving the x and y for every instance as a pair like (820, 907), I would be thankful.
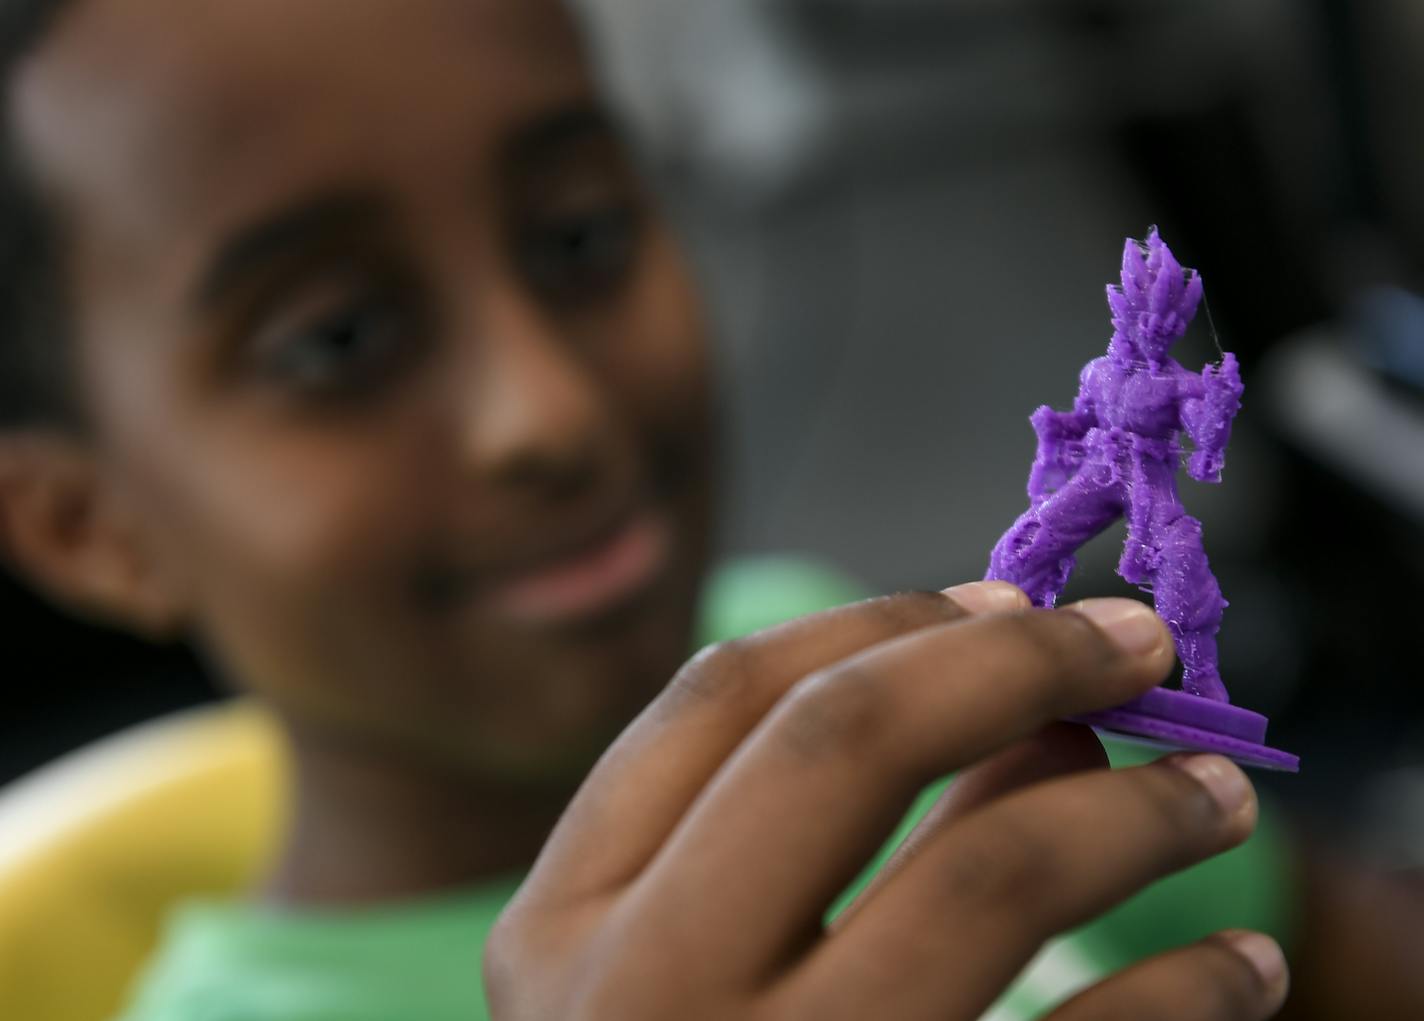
(1135, 398)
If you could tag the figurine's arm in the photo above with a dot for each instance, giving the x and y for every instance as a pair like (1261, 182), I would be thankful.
(1060, 444)
(1212, 401)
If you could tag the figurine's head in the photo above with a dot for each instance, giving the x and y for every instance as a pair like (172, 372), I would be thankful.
(1156, 301)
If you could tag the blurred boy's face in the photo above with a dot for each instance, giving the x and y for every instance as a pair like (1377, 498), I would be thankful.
(399, 376)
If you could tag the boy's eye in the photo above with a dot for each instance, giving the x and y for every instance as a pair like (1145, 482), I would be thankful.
(581, 256)
(335, 349)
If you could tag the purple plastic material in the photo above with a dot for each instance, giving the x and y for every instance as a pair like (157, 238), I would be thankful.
(1116, 455)
(1177, 720)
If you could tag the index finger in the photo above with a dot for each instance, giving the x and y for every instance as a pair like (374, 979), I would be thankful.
(808, 798)
(644, 784)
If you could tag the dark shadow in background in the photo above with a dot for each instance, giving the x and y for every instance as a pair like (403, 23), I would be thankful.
(67, 683)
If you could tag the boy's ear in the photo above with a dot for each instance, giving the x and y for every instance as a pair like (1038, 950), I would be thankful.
(66, 533)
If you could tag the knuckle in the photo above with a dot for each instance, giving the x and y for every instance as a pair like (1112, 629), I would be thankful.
(1034, 645)
(623, 987)
(1038, 634)
(1181, 808)
(567, 965)
(1006, 865)
(617, 994)
(916, 608)
(729, 669)
(715, 672)
(1063, 647)
(1080, 641)
(504, 953)
(835, 711)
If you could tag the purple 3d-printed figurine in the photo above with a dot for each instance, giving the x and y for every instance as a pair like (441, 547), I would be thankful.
(1116, 455)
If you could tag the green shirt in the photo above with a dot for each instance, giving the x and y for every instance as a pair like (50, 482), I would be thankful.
(244, 962)
(420, 961)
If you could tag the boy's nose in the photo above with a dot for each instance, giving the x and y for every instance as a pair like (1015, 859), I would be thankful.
(533, 414)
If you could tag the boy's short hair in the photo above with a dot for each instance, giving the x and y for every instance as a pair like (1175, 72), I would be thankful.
(34, 383)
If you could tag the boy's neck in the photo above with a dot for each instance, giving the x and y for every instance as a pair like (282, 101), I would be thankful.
(370, 826)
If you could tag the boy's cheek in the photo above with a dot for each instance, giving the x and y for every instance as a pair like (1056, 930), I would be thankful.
(265, 543)
(459, 690)
(309, 605)
(674, 346)
(651, 341)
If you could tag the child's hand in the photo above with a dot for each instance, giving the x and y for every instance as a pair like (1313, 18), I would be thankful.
(691, 874)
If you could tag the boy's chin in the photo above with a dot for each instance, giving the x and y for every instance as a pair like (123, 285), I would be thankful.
(551, 760)
(543, 770)
(528, 707)
(570, 700)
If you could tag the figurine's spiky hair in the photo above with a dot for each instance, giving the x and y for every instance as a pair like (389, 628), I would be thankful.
(1157, 298)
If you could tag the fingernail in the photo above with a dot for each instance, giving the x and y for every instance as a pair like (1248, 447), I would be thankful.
(1133, 627)
(1262, 953)
(988, 597)
(1227, 785)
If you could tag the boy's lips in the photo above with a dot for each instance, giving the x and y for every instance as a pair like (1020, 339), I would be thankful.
(588, 581)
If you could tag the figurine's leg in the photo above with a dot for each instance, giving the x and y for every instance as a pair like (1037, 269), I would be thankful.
(1164, 552)
(1189, 600)
(1152, 501)
(1020, 557)
(1036, 554)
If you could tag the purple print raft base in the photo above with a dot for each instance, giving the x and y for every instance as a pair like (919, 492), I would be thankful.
(1179, 721)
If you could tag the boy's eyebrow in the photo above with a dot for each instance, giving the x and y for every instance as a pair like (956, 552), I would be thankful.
(250, 248)
(550, 132)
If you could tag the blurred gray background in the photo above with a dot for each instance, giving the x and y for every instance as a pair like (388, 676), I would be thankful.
(906, 213)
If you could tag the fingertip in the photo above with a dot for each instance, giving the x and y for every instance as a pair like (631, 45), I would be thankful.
(1230, 789)
(978, 597)
(1265, 957)
(1132, 626)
